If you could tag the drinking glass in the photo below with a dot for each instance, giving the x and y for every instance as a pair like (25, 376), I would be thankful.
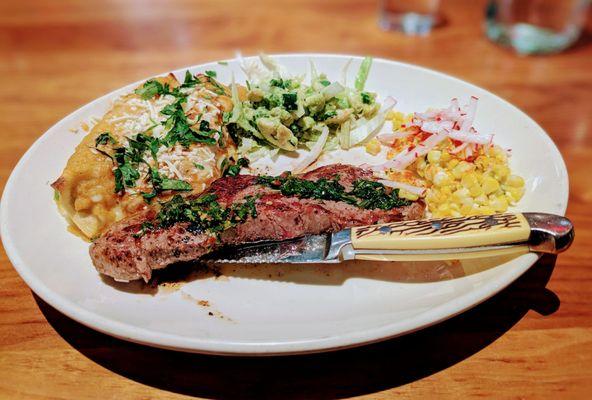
(535, 26)
(412, 17)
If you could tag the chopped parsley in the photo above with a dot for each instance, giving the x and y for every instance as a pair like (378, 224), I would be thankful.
(199, 166)
(105, 138)
(211, 74)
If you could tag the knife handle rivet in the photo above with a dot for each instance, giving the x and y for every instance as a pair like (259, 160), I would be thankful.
(490, 221)
(385, 230)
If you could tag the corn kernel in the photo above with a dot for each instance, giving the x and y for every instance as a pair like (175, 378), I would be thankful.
(445, 156)
(485, 210)
(466, 209)
(481, 199)
(515, 194)
(421, 165)
(467, 201)
(434, 156)
(501, 172)
(441, 179)
(461, 194)
(515, 181)
(452, 163)
(475, 190)
(373, 147)
(490, 185)
(446, 192)
(408, 195)
(499, 204)
(469, 180)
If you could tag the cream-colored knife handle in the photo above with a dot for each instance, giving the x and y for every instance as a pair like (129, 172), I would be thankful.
(541, 232)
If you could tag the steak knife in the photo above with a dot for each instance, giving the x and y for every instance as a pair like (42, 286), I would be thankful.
(415, 240)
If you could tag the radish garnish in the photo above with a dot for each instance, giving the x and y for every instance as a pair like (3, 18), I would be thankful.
(469, 137)
(407, 157)
(455, 122)
(389, 137)
(458, 149)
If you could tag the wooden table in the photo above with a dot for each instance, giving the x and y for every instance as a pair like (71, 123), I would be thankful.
(533, 340)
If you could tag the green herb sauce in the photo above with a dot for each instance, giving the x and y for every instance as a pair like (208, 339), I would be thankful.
(206, 214)
(364, 194)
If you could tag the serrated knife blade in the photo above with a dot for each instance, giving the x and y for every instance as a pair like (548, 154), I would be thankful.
(307, 249)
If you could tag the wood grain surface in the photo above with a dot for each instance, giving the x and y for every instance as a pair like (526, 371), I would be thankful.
(533, 340)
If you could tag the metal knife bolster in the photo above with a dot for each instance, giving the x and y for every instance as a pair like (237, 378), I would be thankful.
(549, 233)
(534, 232)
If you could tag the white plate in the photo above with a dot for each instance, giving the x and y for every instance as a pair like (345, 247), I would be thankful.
(284, 309)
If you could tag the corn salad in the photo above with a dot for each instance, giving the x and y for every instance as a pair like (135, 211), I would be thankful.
(457, 184)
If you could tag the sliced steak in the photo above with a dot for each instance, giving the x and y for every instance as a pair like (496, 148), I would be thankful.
(124, 255)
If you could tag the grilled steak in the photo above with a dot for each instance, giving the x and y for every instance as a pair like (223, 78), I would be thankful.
(125, 255)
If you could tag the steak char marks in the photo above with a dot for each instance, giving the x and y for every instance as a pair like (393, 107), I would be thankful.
(124, 255)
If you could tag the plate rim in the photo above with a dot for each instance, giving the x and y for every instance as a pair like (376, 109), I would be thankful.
(225, 347)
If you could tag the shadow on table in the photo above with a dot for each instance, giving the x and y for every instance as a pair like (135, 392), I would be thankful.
(343, 373)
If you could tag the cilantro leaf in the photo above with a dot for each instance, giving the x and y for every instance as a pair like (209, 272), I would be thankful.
(175, 184)
(129, 174)
(190, 80)
(211, 74)
(151, 88)
(105, 138)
